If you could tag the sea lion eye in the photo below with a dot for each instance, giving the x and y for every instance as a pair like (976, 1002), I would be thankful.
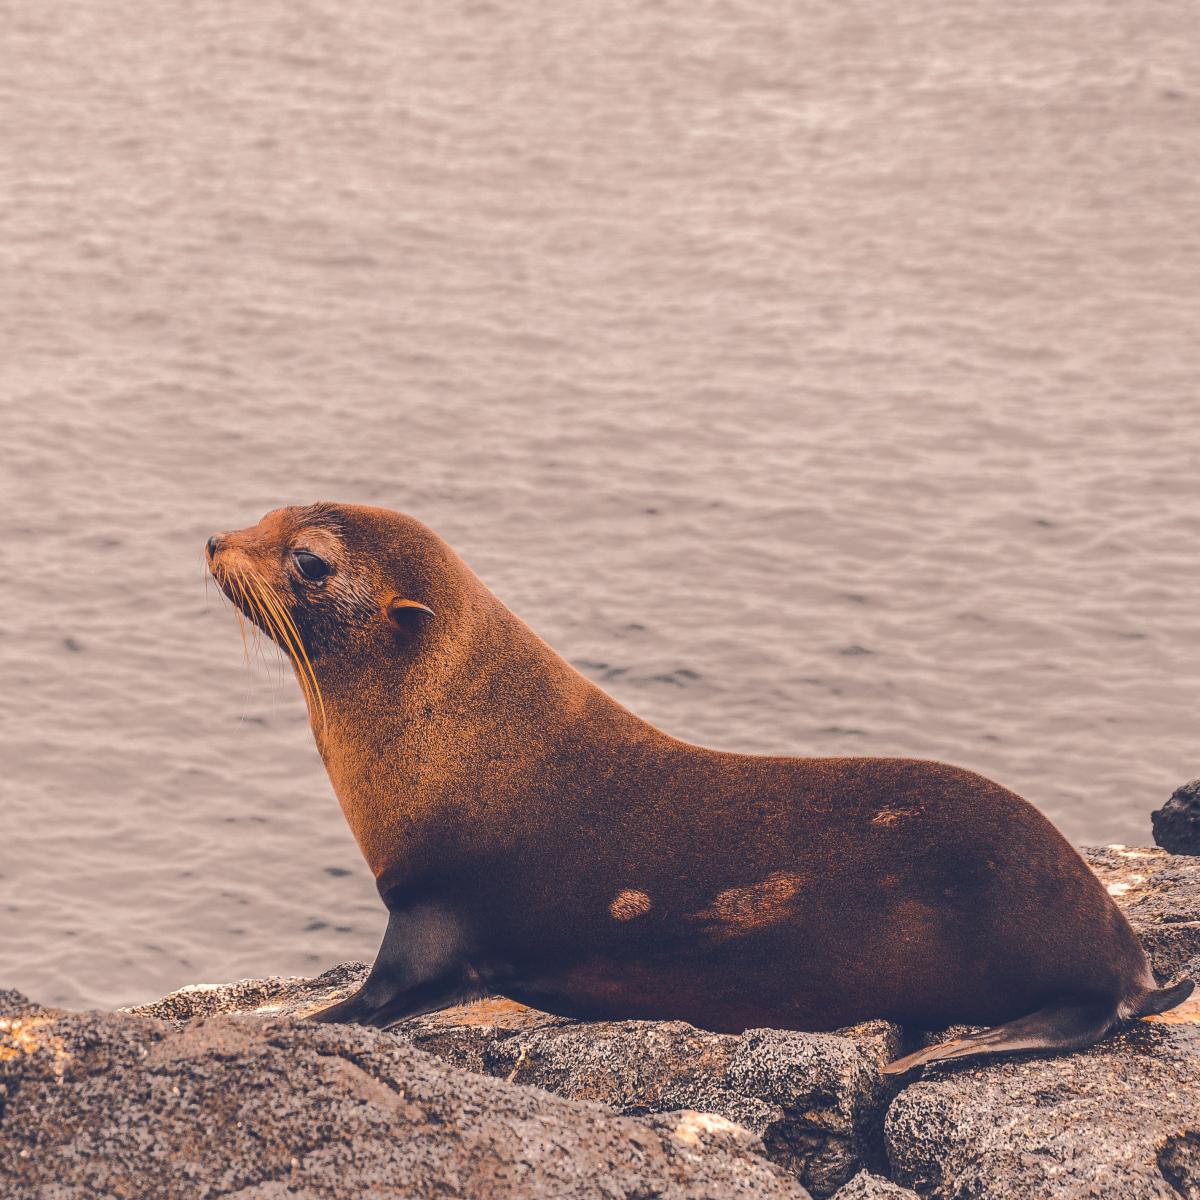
(311, 567)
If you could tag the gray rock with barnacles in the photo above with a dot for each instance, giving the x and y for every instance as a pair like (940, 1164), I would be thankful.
(1121, 1119)
(865, 1186)
(1160, 894)
(261, 1107)
(815, 1100)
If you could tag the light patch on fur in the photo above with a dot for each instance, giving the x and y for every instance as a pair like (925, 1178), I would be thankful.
(694, 1125)
(741, 910)
(889, 816)
(352, 597)
(628, 905)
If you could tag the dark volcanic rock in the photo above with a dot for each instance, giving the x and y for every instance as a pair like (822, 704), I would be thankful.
(263, 1108)
(1160, 894)
(275, 996)
(1177, 824)
(1120, 1120)
(865, 1186)
(14, 1004)
(1179, 1161)
(817, 1099)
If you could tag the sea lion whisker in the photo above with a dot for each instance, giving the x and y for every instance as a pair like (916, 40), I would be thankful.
(260, 620)
(229, 578)
(252, 600)
(293, 641)
(270, 610)
(299, 643)
(263, 618)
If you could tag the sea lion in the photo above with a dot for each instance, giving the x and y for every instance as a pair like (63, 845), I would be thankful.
(532, 837)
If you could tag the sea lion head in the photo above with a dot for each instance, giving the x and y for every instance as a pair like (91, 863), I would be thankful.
(337, 584)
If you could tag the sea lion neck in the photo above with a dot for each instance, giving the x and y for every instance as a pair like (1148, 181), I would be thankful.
(409, 734)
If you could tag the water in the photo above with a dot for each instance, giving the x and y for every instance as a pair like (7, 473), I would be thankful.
(819, 378)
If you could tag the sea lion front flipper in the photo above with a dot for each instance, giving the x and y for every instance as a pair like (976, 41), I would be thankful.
(1061, 1027)
(373, 1008)
(420, 967)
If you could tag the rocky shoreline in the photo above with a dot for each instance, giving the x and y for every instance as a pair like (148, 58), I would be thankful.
(219, 1091)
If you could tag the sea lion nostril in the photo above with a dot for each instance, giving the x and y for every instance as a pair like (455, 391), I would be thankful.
(213, 545)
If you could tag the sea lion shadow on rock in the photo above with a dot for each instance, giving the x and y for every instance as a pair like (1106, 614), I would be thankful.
(533, 838)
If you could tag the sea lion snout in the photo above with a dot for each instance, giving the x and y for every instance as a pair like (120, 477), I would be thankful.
(259, 546)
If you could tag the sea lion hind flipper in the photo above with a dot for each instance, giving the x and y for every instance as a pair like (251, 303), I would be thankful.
(384, 1009)
(1159, 1000)
(1056, 1028)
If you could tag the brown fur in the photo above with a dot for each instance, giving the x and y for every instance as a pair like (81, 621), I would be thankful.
(584, 861)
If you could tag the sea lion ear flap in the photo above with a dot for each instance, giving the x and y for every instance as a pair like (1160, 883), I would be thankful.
(407, 615)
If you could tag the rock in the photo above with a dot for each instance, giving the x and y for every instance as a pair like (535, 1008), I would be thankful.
(1179, 1161)
(1177, 824)
(816, 1100)
(1121, 1119)
(1160, 894)
(865, 1186)
(261, 1107)
(284, 997)
(14, 1004)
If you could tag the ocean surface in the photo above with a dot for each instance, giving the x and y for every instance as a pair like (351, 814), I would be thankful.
(819, 378)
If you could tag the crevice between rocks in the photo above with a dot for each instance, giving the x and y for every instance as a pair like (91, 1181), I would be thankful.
(1179, 1161)
(353, 1061)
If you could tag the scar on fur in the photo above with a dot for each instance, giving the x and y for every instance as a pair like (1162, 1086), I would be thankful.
(889, 816)
(628, 904)
(741, 910)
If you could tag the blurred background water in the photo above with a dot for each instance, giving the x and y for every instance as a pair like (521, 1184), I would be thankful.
(818, 378)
